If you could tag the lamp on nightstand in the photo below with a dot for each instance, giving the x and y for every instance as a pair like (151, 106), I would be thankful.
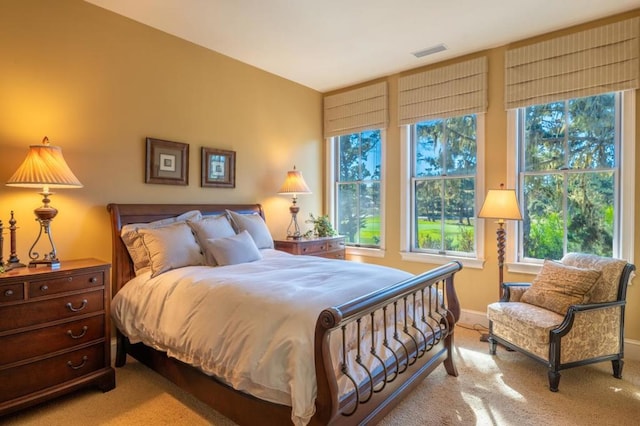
(44, 168)
(294, 184)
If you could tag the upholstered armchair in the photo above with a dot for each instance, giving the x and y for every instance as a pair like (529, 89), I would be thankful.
(572, 314)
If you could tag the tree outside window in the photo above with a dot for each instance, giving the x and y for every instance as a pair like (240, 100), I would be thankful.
(358, 188)
(569, 169)
(444, 154)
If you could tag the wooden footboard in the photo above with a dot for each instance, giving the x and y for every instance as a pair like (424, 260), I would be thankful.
(370, 376)
(422, 312)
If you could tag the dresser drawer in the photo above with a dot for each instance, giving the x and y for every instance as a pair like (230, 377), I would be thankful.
(11, 293)
(336, 254)
(27, 378)
(26, 314)
(40, 288)
(335, 245)
(50, 339)
(313, 247)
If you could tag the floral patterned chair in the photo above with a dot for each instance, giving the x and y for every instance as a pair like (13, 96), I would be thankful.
(572, 314)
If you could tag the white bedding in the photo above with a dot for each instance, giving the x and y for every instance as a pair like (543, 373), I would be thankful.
(251, 324)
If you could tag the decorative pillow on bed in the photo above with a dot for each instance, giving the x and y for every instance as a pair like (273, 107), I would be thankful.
(255, 225)
(133, 240)
(558, 286)
(170, 247)
(211, 227)
(233, 250)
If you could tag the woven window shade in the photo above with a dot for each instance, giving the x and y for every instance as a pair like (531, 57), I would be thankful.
(356, 110)
(591, 62)
(448, 91)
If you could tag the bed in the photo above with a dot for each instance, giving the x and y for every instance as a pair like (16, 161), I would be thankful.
(364, 341)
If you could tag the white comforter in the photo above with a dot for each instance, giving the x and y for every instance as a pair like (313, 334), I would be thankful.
(251, 325)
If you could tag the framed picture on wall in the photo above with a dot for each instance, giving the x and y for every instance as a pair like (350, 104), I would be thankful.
(218, 168)
(167, 162)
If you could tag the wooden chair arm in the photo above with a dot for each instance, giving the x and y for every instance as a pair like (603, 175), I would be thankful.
(506, 290)
(567, 323)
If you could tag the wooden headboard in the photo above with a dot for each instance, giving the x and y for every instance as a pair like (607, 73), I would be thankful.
(124, 214)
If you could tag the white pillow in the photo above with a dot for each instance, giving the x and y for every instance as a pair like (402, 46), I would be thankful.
(233, 250)
(170, 247)
(211, 227)
(133, 240)
(255, 225)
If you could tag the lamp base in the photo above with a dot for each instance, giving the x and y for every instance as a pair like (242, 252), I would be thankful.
(53, 264)
(13, 265)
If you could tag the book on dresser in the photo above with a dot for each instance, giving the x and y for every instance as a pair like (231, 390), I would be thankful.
(54, 332)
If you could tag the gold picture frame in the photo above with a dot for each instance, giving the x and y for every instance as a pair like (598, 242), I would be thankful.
(167, 162)
(218, 168)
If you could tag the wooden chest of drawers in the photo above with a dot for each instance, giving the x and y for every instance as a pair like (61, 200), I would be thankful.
(54, 332)
(330, 247)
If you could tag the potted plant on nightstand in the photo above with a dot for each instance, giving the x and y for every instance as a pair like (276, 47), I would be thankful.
(321, 227)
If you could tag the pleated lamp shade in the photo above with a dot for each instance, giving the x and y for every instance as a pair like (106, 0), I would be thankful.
(294, 183)
(44, 166)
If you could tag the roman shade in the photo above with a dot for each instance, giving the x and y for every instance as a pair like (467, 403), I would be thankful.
(590, 62)
(449, 91)
(359, 109)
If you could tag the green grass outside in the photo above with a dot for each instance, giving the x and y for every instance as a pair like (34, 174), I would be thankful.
(371, 231)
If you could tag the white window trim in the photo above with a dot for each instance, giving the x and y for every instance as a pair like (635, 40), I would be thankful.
(330, 200)
(627, 185)
(405, 203)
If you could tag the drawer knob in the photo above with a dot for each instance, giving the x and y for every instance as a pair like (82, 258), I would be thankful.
(93, 280)
(79, 366)
(304, 249)
(8, 293)
(44, 287)
(78, 336)
(82, 306)
(70, 279)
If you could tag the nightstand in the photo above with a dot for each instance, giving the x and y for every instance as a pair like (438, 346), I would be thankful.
(330, 247)
(54, 332)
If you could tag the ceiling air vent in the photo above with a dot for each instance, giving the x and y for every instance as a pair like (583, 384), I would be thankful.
(430, 50)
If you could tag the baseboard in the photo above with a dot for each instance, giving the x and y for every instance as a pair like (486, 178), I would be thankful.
(632, 349)
(475, 319)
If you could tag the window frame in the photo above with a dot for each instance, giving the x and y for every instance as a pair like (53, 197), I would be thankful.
(625, 198)
(406, 202)
(331, 193)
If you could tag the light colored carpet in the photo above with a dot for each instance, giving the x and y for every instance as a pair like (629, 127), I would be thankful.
(508, 389)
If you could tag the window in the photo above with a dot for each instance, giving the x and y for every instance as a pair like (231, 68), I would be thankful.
(569, 176)
(444, 165)
(358, 176)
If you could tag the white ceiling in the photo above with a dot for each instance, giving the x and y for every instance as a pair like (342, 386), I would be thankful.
(330, 44)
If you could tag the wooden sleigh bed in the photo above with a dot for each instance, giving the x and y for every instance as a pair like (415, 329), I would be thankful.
(429, 335)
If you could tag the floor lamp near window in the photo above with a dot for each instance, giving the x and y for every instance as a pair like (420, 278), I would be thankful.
(500, 204)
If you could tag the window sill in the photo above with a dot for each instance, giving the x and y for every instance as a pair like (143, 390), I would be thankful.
(361, 251)
(467, 262)
(524, 268)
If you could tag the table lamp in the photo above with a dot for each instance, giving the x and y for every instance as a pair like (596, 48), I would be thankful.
(44, 168)
(294, 184)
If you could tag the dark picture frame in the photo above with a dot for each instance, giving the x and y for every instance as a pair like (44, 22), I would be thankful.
(218, 168)
(167, 162)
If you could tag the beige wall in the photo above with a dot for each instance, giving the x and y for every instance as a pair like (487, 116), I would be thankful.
(97, 84)
(478, 287)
